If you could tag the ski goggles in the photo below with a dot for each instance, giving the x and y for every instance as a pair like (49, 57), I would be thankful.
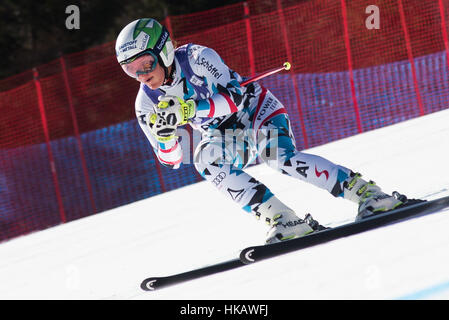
(141, 64)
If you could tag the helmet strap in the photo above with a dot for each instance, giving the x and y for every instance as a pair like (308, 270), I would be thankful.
(161, 41)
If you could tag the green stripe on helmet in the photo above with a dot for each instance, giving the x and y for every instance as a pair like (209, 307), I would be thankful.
(142, 35)
(153, 31)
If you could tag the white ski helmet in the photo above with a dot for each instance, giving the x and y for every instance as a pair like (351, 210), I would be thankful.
(144, 35)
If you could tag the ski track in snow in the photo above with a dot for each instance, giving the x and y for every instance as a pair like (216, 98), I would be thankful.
(107, 255)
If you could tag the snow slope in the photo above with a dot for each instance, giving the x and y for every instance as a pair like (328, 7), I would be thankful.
(107, 255)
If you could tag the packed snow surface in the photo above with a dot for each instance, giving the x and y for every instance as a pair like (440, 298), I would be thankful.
(107, 255)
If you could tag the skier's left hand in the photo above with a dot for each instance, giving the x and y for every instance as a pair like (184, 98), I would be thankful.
(175, 110)
(159, 128)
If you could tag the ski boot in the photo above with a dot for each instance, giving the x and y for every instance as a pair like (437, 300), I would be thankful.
(370, 198)
(284, 223)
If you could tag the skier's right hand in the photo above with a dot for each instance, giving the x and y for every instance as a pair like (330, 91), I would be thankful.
(160, 129)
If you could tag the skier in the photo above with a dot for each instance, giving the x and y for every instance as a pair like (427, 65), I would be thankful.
(192, 85)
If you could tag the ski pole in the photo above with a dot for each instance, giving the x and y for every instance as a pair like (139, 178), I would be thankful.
(285, 66)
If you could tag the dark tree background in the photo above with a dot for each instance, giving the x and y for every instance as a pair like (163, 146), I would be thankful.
(33, 32)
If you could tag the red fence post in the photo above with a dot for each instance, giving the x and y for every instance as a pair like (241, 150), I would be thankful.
(410, 56)
(77, 133)
(292, 76)
(167, 23)
(444, 31)
(249, 37)
(351, 74)
(40, 100)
